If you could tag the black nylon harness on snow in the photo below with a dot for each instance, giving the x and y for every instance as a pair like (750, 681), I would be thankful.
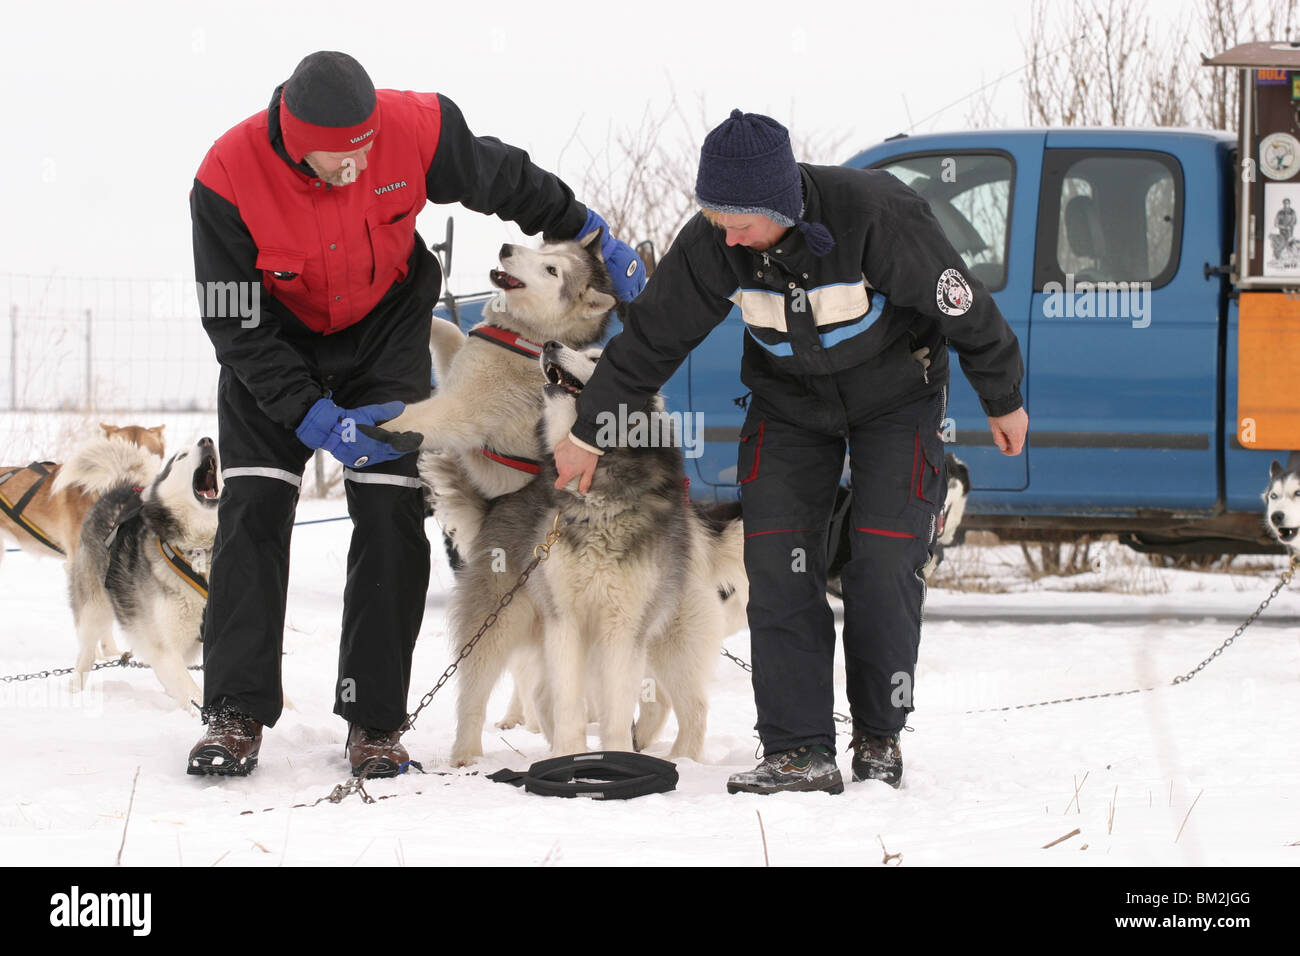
(15, 511)
(606, 775)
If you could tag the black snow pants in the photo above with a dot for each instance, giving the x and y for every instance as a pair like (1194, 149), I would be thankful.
(388, 561)
(791, 459)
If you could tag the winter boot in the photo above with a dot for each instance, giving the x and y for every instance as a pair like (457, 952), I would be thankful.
(375, 753)
(230, 746)
(877, 758)
(806, 768)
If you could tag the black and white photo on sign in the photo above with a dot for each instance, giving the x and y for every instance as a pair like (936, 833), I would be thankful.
(1282, 245)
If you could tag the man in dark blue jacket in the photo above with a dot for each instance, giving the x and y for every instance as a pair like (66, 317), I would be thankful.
(844, 279)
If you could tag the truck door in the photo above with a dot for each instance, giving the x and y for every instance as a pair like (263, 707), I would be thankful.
(972, 193)
(1124, 346)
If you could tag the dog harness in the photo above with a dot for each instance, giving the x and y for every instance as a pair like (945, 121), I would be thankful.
(507, 340)
(520, 346)
(132, 514)
(608, 775)
(15, 511)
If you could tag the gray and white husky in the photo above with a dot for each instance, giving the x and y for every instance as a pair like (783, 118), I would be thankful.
(489, 393)
(143, 559)
(1282, 506)
(631, 588)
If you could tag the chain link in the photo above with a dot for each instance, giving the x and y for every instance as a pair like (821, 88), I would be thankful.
(123, 661)
(1287, 575)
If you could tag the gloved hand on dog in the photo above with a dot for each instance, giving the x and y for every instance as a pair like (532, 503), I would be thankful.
(625, 267)
(334, 429)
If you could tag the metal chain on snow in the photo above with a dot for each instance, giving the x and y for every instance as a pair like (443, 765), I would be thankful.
(123, 661)
(357, 784)
(1287, 575)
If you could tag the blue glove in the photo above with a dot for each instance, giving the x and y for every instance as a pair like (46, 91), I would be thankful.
(334, 429)
(625, 267)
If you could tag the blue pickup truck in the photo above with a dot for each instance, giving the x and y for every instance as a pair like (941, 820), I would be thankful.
(1110, 253)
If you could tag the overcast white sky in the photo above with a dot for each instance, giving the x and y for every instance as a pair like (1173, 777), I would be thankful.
(109, 108)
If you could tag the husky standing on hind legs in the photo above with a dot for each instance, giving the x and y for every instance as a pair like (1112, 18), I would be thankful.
(489, 398)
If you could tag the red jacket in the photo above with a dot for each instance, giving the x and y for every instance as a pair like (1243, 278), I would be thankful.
(327, 257)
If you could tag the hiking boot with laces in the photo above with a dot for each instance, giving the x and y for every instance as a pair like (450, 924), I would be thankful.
(376, 753)
(805, 768)
(877, 757)
(230, 746)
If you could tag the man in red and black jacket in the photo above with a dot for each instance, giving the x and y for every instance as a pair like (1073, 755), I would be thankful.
(317, 294)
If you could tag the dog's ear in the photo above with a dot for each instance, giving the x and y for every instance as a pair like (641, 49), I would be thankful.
(597, 302)
(593, 236)
(108, 429)
(1275, 469)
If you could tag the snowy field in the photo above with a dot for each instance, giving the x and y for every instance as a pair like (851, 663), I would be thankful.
(1202, 775)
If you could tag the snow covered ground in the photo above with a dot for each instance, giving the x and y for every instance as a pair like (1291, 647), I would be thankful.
(1198, 775)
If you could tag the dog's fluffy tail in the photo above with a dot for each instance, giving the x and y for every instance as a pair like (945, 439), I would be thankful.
(457, 504)
(445, 340)
(726, 556)
(103, 464)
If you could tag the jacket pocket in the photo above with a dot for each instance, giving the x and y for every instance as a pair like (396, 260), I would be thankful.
(282, 275)
(926, 474)
(750, 451)
(392, 239)
(282, 268)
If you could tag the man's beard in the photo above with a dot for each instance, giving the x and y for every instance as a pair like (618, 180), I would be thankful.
(335, 178)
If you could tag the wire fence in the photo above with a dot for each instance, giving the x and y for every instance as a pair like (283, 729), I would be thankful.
(103, 345)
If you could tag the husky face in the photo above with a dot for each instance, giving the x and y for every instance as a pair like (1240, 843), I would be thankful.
(1282, 505)
(567, 371)
(185, 493)
(560, 291)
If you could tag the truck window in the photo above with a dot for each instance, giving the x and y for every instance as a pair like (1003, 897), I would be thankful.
(1109, 216)
(970, 195)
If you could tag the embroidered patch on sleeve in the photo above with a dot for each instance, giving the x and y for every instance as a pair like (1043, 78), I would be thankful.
(953, 293)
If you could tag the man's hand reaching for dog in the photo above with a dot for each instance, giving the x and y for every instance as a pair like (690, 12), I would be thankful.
(574, 462)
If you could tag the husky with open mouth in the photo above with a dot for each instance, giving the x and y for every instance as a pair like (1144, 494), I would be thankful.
(143, 560)
(1282, 506)
(484, 413)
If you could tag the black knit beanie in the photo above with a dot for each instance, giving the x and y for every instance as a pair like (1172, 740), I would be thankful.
(328, 104)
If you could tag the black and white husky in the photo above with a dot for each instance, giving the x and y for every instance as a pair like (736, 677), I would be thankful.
(143, 558)
(632, 589)
(1282, 506)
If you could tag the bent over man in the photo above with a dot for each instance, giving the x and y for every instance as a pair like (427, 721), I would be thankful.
(306, 211)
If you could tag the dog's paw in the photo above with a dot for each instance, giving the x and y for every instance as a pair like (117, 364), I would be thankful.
(509, 722)
(400, 441)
